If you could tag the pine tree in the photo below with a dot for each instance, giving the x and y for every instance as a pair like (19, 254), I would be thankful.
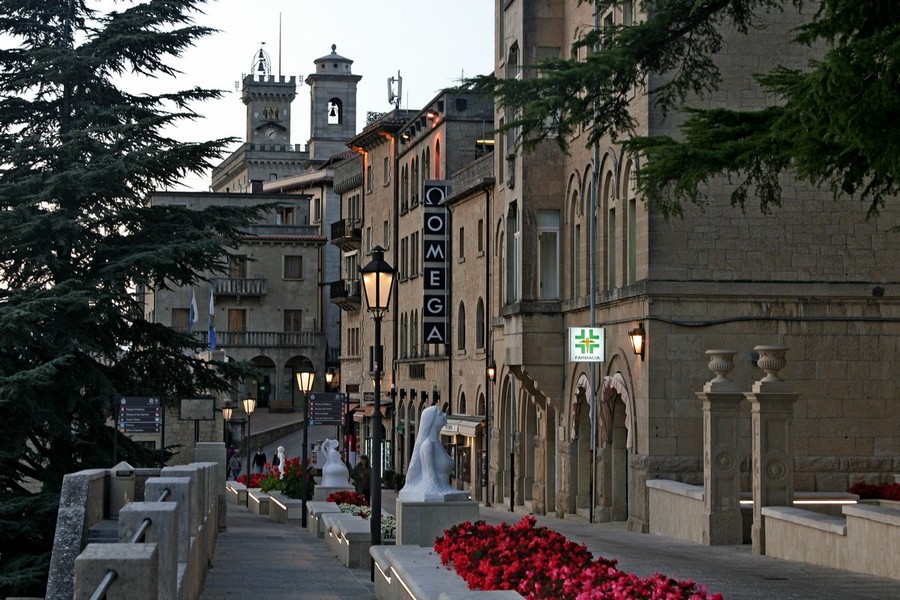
(831, 126)
(79, 157)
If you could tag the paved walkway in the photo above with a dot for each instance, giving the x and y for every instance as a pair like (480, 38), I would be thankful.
(258, 558)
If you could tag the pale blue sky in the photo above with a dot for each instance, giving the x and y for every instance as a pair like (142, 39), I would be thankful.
(432, 43)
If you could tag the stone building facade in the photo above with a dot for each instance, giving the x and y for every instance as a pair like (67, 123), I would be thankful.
(811, 276)
(272, 307)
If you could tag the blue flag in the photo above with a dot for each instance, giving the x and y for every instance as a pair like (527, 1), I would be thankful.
(193, 313)
(212, 320)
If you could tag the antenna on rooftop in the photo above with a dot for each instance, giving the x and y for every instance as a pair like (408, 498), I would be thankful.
(395, 90)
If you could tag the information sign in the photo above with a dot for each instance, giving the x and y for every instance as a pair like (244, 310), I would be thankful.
(326, 408)
(139, 414)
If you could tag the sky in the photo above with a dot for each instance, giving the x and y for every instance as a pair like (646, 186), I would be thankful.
(432, 43)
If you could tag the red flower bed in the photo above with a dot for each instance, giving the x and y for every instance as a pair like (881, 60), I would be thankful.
(876, 491)
(540, 563)
(347, 498)
(255, 478)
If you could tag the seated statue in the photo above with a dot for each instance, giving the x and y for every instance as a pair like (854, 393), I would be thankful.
(428, 476)
(334, 473)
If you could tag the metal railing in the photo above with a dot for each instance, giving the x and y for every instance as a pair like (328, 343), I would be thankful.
(138, 537)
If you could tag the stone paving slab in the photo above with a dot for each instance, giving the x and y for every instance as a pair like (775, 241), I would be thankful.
(259, 558)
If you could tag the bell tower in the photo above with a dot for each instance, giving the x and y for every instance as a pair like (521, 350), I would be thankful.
(268, 99)
(332, 90)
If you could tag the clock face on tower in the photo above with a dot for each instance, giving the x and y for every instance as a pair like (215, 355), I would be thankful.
(271, 133)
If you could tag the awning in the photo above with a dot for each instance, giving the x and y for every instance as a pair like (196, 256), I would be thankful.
(369, 410)
(462, 425)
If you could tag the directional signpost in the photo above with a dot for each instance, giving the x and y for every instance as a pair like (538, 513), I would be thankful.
(326, 408)
(139, 414)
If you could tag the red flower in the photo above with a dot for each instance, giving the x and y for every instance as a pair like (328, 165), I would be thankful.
(540, 563)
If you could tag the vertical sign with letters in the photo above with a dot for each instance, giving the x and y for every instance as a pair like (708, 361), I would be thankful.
(434, 258)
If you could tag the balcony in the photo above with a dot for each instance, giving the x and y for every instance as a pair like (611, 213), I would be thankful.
(233, 286)
(346, 294)
(346, 234)
(266, 339)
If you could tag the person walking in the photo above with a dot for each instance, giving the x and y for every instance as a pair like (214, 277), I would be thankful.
(259, 460)
(362, 477)
(234, 466)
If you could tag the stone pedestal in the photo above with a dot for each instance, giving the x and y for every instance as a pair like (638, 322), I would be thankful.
(721, 463)
(321, 493)
(772, 409)
(419, 523)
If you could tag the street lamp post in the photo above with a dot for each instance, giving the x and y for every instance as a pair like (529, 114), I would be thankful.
(378, 279)
(491, 375)
(305, 381)
(249, 406)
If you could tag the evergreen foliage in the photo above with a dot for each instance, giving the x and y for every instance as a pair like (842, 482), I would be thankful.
(831, 123)
(79, 243)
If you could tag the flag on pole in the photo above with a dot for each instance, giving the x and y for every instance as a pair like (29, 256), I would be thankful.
(193, 314)
(212, 320)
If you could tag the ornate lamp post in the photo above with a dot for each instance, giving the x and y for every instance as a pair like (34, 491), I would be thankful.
(305, 381)
(378, 279)
(492, 376)
(249, 405)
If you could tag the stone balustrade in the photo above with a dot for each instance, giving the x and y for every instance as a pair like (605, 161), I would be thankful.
(157, 547)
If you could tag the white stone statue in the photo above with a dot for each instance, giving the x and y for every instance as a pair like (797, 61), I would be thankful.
(334, 473)
(428, 476)
(280, 453)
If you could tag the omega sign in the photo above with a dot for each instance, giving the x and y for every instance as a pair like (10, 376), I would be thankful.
(434, 257)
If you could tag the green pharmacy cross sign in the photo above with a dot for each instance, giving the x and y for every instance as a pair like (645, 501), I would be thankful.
(586, 344)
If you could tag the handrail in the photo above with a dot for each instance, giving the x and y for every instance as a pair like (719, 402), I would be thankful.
(110, 576)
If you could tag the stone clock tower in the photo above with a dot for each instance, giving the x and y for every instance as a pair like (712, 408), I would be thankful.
(268, 101)
(332, 90)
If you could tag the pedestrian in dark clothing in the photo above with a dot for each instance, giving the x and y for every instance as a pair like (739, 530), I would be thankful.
(362, 477)
(259, 460)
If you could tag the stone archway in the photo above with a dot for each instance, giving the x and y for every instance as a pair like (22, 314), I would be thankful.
(616, 423)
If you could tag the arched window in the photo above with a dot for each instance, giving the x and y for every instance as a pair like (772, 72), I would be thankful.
(461, 408)
(414, 187)
(426, 165)
(461, 327)
(404, 187)
(479, 324)
(437, 159)
(512, 62)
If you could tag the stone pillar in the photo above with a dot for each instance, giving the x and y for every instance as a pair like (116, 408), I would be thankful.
(135, 566)
(721, 463)
(772, 408)
(215, 452)
(163, 532)
(179, 493)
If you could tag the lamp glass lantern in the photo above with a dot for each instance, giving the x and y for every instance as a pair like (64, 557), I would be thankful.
(329, 375)
(249, 405)
(305, 381)
(378, 281)
(638, 338)
(492, 371)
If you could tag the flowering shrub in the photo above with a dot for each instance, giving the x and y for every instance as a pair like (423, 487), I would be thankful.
(291, 485)
(881, 491)
(541, 563)
(255, 479)
(347, 498)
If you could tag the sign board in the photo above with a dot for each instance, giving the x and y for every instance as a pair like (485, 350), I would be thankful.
(586, 344)
(434, 261)
(326, 408)
(139, 414)
(198, 409)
